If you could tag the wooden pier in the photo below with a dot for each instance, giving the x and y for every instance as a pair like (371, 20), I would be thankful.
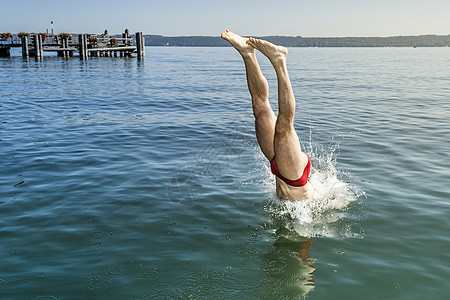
(87, 45)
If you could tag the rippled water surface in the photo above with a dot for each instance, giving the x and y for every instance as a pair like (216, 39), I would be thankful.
(127, 179)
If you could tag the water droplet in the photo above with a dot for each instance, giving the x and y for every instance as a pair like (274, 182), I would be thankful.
(252, 283)
(173, 223)
(33, 278)
(166, 294)
(224, 225)
(311, 260)
(161, 287)
(212, 275)
(398, 285)
(115, 271)
(339, 251)
(100, 285)
(46, 297)
(185, 264)
(147, 275)
(275, 267)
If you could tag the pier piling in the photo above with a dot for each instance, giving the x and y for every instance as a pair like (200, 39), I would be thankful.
(65, 44)
(5, 51)
(83, 46)
(140, 45)
(25, 50)
(37, 43)
(41, 47)
(125, 36)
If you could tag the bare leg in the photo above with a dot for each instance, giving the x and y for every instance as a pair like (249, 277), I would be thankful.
(290, 160)
(259, 90)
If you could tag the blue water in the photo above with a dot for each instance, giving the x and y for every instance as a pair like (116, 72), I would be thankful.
(127, 179)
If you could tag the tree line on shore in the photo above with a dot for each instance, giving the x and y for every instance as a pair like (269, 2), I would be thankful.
(298, 41)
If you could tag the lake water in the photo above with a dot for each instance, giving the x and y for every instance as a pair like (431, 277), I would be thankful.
(127, 179)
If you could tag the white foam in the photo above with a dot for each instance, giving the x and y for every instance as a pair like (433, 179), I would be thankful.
(324, 216)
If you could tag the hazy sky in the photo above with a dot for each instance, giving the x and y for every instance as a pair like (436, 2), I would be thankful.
(247, 17)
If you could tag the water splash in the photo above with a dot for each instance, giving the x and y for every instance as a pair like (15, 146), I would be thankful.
(325, 216)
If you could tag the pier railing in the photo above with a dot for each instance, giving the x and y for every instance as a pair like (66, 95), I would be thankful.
(53, 40)
(65, 44)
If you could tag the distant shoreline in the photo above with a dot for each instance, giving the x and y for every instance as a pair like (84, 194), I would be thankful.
(290, 41)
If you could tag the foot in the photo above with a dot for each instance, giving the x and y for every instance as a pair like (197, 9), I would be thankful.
(238, 42)
(276, 54)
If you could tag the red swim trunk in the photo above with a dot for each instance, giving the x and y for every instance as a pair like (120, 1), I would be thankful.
(299, 182)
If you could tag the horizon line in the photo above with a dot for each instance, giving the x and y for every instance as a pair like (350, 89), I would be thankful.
(301, 36)
(272, 35)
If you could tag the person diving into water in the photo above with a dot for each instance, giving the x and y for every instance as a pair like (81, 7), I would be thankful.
(275, 134)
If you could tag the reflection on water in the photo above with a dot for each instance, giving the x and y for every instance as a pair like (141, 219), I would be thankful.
(290, 265)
